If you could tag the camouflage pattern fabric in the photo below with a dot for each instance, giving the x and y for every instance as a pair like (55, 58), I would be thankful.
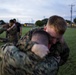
(62, 49)
(12, 34)
(13, 30)
(17, 62)
(29, 66)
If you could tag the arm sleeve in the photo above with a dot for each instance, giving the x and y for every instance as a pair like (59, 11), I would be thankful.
(60, 50)
(4, 49)
(64, 54)
(14, 61)
(11, 27)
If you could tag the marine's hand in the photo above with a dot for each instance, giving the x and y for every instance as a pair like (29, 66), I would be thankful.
(40, 50)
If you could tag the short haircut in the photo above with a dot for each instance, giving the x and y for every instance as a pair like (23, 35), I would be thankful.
(58, 23)
(11, 21)
(14, 19)
(41, 37)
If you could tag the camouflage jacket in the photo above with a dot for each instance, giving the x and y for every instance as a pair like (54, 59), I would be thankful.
(62, 49)
(17, 62)
(12, 33)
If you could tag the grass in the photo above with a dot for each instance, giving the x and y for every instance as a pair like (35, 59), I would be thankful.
(70, 36)
(70, 67)
(25, 30)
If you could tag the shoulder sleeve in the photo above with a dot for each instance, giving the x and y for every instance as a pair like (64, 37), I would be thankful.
(15, 61)
(64, 53)
(25, 42)
(61, 50)
(6, 48)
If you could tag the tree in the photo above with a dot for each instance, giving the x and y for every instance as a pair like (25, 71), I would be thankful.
(39, 23)
(45, 21)
(68, 21)
(2, 22)
(74, 20)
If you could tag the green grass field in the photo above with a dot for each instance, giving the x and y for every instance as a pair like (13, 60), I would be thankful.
(70, 36)
(70, 67)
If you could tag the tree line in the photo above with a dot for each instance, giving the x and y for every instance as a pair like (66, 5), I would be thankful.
(42, 22)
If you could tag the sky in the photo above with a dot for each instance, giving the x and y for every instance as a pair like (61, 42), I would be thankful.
(29, 11)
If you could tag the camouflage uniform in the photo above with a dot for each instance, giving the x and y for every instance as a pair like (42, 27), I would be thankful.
(24, 63)
(11, 35)
(61, 49)
(17, 62)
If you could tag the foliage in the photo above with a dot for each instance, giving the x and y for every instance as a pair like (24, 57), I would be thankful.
(2, 22)
(45, 21)
(39, 23)
(68, 21)
(74, 20)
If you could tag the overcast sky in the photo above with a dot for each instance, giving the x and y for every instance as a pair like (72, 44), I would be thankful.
(32, 10)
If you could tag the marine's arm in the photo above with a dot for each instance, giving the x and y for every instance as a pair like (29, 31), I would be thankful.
(11, 27)
(60, 50)
(64, 53)
(14, 61)
(49, 66)
(4, 48)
